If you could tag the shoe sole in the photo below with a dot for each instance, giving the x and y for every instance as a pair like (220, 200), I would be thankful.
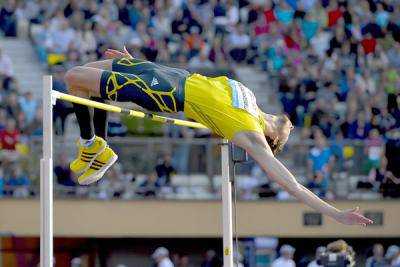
(91, 161)
(99, 174)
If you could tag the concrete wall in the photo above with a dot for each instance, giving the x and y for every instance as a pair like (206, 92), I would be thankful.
(165, 218)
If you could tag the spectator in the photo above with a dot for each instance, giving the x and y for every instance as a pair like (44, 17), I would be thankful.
(392, 256)
(35, 127)
(220, 18)
(161, 257)
(8, 18)
(164, 171)
(376, 260)
(390, 186)
(61, 36)
(340, 247)
(238, 259)
(12, 106)
(284, 13)
(3, 118)
(319, 184)
(265, 189)
(217, 52)
(211, 259)
(200, 61)
(239, 41)
(185, 262)
(61, 109)
(63, 172)
(384, 180)
(374, 149)
(9, 136)
(321, 158)
(149, 187)
(318, 253)
(115, 126)
(286, 257)
(28, 106)
(18, 182)
(6, 67)
(369, 44)
(76, 262)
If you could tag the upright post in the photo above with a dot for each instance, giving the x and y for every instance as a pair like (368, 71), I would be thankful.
(227, 177)
(46, 178)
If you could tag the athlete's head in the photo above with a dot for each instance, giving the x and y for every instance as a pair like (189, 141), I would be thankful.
(277, 130)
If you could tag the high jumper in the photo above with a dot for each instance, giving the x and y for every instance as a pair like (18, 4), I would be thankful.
(224, 105)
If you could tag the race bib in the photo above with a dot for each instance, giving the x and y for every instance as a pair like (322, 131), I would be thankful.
(243, 98)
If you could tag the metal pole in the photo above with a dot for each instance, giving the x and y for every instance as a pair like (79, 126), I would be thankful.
(46, 178)
(227, 165)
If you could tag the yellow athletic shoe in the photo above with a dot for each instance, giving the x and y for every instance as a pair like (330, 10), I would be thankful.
(99, 166)
(86, 155)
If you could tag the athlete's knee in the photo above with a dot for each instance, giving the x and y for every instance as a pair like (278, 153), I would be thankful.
(72, 76)
(92, 65)
(75, 76)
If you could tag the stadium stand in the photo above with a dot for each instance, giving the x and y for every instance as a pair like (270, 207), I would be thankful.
(332, 66)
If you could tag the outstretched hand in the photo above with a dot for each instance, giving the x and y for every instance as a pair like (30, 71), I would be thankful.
(353, 217)
(112, 53)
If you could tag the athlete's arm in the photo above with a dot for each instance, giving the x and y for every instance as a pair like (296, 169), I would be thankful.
(257, 147)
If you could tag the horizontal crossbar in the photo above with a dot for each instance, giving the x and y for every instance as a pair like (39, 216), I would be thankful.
(133, 113)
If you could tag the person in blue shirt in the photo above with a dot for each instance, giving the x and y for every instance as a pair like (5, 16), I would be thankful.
(1, 183)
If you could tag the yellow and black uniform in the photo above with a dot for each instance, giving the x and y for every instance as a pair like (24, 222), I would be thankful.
(155, 87)
(224, 105)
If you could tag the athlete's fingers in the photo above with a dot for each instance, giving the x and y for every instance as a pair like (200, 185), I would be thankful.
(111, 53)
(115, 52)
(108, 54)
(127, 52)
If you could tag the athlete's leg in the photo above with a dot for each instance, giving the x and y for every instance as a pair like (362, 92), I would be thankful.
(100, 120)
(94, 156)
(83, 82)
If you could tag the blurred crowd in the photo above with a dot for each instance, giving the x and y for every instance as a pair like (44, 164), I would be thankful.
(334, 64)
(20, 118)
(337, 66)
(118, 182)
(336, 253)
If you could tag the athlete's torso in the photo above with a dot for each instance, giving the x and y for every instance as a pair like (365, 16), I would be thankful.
(224, 105)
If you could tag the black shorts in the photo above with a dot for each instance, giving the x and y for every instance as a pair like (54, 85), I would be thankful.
(152, 86)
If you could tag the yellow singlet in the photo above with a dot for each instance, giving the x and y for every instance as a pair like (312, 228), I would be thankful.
(215, 103)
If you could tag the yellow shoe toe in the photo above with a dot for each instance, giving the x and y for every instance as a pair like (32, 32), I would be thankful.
(98, 167)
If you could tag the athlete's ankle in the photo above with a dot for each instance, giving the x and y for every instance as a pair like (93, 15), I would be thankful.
(87, 142)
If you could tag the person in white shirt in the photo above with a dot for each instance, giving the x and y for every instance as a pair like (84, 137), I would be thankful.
(6, 68)
(61, 36)
(286, 258)
(392, 256)
(238, 42)
(318, 253)
(320, 43)
(161, 257)
(200, 61)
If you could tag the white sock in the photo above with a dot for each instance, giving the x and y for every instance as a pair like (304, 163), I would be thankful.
(87, 142)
